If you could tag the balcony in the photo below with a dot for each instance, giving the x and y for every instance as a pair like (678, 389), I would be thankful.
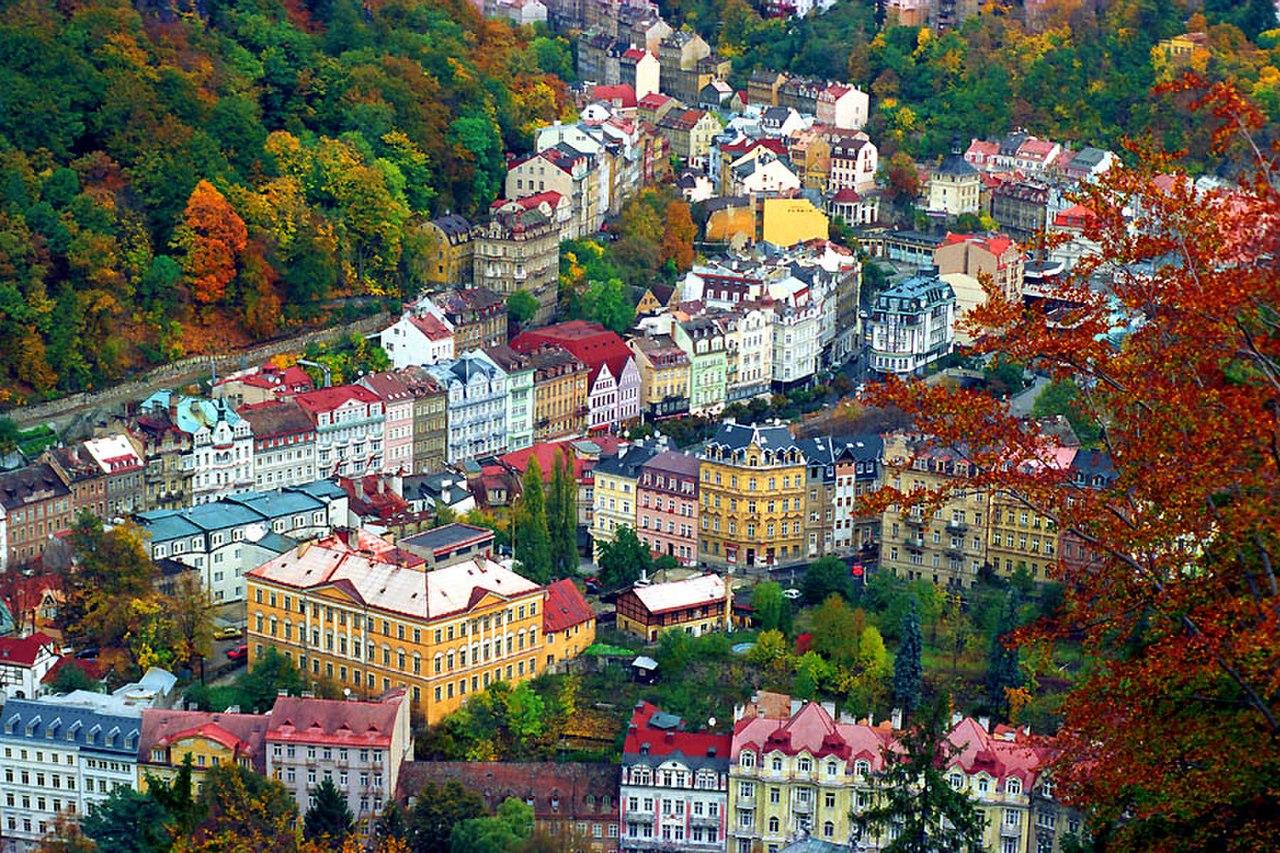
(802, 807)
(954, 526)
(1010, 831)
(913, 521)
(704, 820)
(916, 542)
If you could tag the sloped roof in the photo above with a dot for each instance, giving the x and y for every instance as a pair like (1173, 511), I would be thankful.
(690, 592)
(244, 733)
(565, 607)
(811, 729)
(25, 485)
(622, 93)
(454, 226)
(304, 719)
(328, 399)
(431, 327)
(273, 418)
(654, 736)
(23, 651)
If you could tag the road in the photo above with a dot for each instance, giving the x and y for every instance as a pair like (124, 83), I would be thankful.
(1020, 405)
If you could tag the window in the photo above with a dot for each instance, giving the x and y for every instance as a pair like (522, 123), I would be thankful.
(747, 759)
(956, 780)
(773, 826)
(1013, 786)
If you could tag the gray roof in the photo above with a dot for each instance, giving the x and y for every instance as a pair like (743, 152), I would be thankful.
(914, 293)
(1089, 157)
(627, 463)
(94, 722)
(955, 165)
(735, 436)
(33, 483)
(446, 536)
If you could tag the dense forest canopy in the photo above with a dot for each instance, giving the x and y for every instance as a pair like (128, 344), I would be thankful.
(178, 175)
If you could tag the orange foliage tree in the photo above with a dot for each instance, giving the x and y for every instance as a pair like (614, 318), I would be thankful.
(1171, 734)
(213, 235)
(677, 235)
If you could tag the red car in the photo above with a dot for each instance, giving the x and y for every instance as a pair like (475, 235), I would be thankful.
(239, 652)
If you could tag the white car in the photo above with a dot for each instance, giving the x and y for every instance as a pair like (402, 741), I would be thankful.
(791, 593)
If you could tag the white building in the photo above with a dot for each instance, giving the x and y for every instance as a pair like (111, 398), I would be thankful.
(675, 785)
(284, 443)
(843, 106)
(24, 662)
(418, 337)
(748, 339)
(350, 429)
(854, 160)
(797, 328)
(912, 325)
(477, 406)
(221, 456)
(358, 746)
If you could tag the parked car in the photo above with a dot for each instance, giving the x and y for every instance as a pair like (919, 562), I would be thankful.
(239, 653)
(227, 632)
(89, 653)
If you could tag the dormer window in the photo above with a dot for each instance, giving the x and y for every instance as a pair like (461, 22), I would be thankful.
(862, 768)
(747, 759)
(1013, 786)
(956, 780)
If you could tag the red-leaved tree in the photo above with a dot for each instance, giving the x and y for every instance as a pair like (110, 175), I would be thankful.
(1171, 737)
(213, 235)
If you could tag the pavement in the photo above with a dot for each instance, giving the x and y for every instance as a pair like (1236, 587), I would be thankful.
(1020, 405)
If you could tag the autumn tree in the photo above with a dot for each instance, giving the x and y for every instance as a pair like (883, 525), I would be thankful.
(1176, 608)
(212, 235)
(678, 233)
(192, 617)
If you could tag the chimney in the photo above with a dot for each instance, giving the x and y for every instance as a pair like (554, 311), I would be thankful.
(985, 722)
(382, 485)
(359, 487)
(670, 737)
(896, 719)
(956, 717)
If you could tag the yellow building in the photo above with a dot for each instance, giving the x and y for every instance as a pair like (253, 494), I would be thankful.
(569, 625)
(730, 217)
(810, 155)
(800, 773)
(559, 393)
(788, 221)
(664, 375)
(367, 615)
(948, 547)
(210, 740)
(616, 480)
(1018, 536)
(450, 262)
(752, 497)
(698, 605)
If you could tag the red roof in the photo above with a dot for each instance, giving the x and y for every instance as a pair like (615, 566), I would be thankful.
(1010, 753)
(23, 651)
(590, 343)
(996, 244)
(634, 53)
(91, 668)
(665, 741)
(564, 607)
(1039, 148)
(302, 719)
(653, 100)
(551, 197)
(328, 399)
(848, 195)
(1075, 216)
(430, 325)
(623, 94)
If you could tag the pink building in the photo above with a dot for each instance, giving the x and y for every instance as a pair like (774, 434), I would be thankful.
(667, 509)
(397, 397)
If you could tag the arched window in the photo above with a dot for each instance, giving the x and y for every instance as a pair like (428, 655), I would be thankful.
(777, 764)
(747, 758)
(804, 765)
(773, 826)
(1013, 786)
(828, 830)
(832, 768)
(862, 768)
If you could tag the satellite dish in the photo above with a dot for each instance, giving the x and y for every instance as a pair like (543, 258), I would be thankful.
(711, 722)
(254, 532)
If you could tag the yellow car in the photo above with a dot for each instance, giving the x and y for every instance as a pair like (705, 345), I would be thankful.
(227, 632)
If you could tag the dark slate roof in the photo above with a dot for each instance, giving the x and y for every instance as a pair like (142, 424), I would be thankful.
(955, 164)
(455, 227)
(275, 418)
(735, 436)
(36, 482)
(74, 719)
(711, 205)
(628, 461)
(447, 536)
(1093, 468)
(867, 447)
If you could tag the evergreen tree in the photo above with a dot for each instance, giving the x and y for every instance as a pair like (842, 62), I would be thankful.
(178, 798)
(908, 673)
(329, 818)
(562, 518)
(533, 544)
(623, 560)
(1002, 661)
(129, 821)
(916, 797)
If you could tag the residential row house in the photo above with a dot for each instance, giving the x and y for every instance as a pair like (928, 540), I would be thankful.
(616, 494)
(667, 506)
(220, 458)
(105, 474)
(370, 616)
(519, 249)
(476, 394)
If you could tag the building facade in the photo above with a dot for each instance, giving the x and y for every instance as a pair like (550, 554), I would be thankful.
(667, 506)
(696, 605)
(398, 420)
(912, 325)
(751, 496)
(664, 376)
(703, 341)
(520, 250)
(477, 406)
(284, 443)
(616, 486)
(430, 420)
(37, 504)
(349, 429)
(521, 410)
(559, 393)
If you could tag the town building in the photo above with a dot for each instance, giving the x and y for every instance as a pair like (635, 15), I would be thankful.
(613, 394)
(616, 486)
(748, 338)
(977, 255)
(857, 460)
(690, 133)
(999, 768)
(639, 68)
(63, 755)
(568, 623)
(104, 475)
(521, 409)
(221, 455)
(810, 154)
(349, 429)
(477, 315)
(262, 384)
(37, 505)
(359, 746)
(284, 443)
(784, 222)
(842, 106)
(667, 506)
(224, 539)
(449, 543)
(801, 774)
(398, 420)
(912, 325)
(477, 406)
(519, 249)
(949, 546)
(450, 262)
(169, 737)
(797, 325)
(418, 337)
(574, 803)
(430, 420)
(763, 86)
(369, 615)
(24, 663)
(167, 450)
(853, 161)
(696, 605)
(675, 784)
(854, 208)
(703, 342)
(954, 185)
(559, 393)
(820, 493)
(664, 376)
(1021, 208)
(751, 495)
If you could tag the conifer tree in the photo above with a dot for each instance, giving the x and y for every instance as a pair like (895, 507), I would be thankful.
(907, 669)
(533, 545)
(1002, 661)
(329, 818)
(562, 518)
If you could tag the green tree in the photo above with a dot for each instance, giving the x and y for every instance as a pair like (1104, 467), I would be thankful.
(623, 560)
(1062, 397)
(915, 796)
(438, 809)
(178, 799)
(873, 657)
(824, 577)
(525, 713)
(675, 651)
(1003, 671)
(835, 632)
(505, 831)
(192, 615)
(908, 672)
(391, 825)
(532, 541)
(129, 821)
(606, 303)
(72, 677)
(522, 306)
(812, 672)
(562, 517)
(329, 819)
(271, 673)
(769, 605)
